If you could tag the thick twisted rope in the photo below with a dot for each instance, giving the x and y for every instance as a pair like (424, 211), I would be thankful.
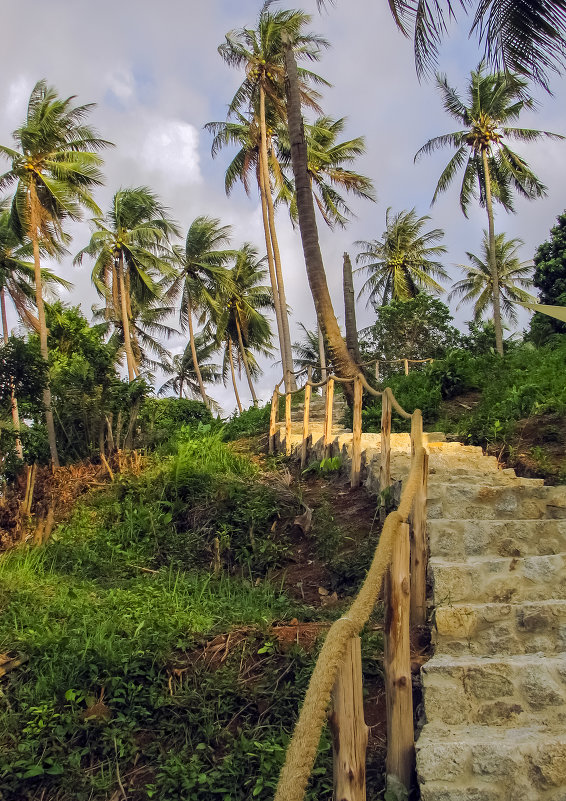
(302, 749)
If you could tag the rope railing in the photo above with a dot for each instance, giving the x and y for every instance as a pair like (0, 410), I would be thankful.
(400, 560)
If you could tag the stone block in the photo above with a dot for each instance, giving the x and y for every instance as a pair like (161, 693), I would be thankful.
(455, 621)
(438, 761)
(487, 684)
(548, 766)
(540, 690)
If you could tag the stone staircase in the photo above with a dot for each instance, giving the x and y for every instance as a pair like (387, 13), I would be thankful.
(493, 717)
(494, 692)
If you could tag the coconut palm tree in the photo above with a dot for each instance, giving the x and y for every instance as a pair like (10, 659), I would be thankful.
(491, 169)
(326, 159)
(201, 277)
(54, 166)
(183, 374)
(130, 248)
(239, 317)
(404, 261)
(260, 52)
(515, 277)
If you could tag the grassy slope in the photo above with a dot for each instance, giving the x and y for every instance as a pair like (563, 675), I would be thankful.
(117, 615)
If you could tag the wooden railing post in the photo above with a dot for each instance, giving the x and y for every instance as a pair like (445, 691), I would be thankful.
(356, 437)
(273, 420)
(385, 459)
(327, 442)
(406, 363)
(288, 423)
(349, 731)
(419, 550)
(306, 414)
(397, 664)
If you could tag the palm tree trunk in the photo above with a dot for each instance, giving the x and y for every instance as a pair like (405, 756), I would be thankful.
(276, 255)
(245, 359)
(13, 399)
(125, 322)
(115, 300)
(271, 264)
(194, 351)
(322, 355)
(350, 310)
(34, 236)
(492, 260)
(180, 387)
(341, 358)
(229, 346)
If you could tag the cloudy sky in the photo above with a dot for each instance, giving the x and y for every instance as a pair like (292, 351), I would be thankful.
(154, 72)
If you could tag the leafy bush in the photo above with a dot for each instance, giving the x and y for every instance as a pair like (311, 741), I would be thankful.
(252, 422)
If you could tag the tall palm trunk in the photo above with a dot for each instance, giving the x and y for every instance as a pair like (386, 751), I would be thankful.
(125, 321)
(34, 226)
(13, 399)
(194, 351)
(350, 310)
(275, 243)
(231, 360)
(115, 298)
(322, 355)
(245, 359)
(492, 259)
(341, 358)
(271, 264)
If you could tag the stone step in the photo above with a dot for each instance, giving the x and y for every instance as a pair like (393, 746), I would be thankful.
(490, 579)
(458, 539)
(484, 763)
(506, 691)
(485, 501)
(490, 629)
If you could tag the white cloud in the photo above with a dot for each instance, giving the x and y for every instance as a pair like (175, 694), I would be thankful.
(18, 96)
(121, 83)
(171, 147)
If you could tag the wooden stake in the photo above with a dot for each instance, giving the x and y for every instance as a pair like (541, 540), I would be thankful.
(397, 664)
(385, 460)
(328, 417)
(357, 435)
(406, 362)
(306, 414)
(273, 420)
(288, 424)
(419, 551)
(349, 731)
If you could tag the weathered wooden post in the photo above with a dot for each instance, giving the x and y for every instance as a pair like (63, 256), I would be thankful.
(273, 420)
(406, 363)
(385, 459)
(397, 664)
(327, 441)
(357, 435)
(349, 731)
(288, 418)
(419, 551)
(306, 414)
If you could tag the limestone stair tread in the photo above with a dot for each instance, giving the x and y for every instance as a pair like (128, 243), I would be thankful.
(466, 537)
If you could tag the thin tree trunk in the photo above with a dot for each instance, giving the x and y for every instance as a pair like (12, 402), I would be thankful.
(194, 352)
(180, 387)
(136, 350)
(115, 298)
(492, 260)
(229, 346)
(350, 310)
(125, 322)
(245, 359)
(271, 264)
(13, 399)
(276, 255)
(340, 355)
(34, 226)
(322, 355)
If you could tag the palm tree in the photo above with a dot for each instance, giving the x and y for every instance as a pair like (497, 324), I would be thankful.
(130, 246)
(202, 275)
(491, 169)
(404, 261)
(260, 53)
(512, 273)
(17, 282)
(182, 368)
(54, 167)
(326, 159)
(239, 318)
